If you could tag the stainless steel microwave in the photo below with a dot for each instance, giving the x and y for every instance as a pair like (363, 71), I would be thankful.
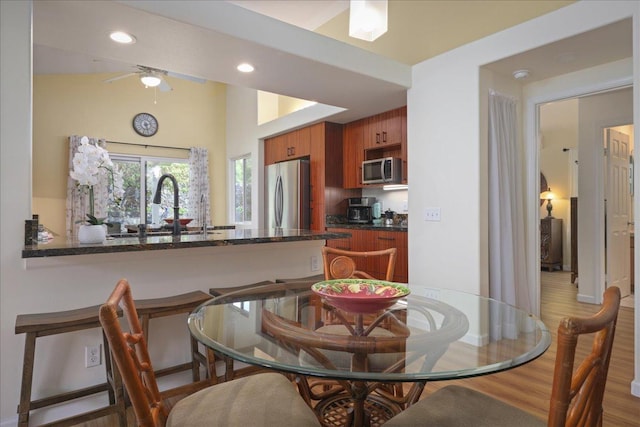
(387, 170)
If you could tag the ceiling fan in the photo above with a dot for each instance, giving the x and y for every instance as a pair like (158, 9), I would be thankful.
(155, 77)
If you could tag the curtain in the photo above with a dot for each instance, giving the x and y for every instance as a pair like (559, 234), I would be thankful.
(77, 206)
(198, 201)
(507, 264)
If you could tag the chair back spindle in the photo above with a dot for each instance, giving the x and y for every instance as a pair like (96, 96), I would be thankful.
(576, 396)
(341, 264)
(132, 357)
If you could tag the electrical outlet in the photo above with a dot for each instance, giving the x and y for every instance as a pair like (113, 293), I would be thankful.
(315, 263)
(405, 206)
(92, 356)
(432, 214)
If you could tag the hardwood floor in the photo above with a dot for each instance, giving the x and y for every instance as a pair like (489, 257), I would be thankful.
(529, 386)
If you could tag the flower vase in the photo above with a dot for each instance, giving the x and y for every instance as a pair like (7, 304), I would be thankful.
(92, 233)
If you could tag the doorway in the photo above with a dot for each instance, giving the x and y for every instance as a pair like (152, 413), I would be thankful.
(572, 137)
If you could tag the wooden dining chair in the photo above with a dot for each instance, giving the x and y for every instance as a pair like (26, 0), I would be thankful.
(576, 395)
(267, 399)
(342, 264)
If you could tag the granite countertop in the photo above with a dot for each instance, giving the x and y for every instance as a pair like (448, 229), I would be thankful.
(161, 241)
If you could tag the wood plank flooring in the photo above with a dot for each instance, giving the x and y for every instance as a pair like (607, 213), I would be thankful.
(529, 386)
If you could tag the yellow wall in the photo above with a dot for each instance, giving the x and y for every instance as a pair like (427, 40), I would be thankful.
(193, 114)
(272, 106)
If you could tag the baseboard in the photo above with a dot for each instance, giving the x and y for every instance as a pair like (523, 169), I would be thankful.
(11, 422)
(635, 387)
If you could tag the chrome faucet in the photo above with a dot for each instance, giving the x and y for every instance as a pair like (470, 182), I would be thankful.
(176, 201)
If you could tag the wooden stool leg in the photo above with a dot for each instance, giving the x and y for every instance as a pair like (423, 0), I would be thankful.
(228, 364)
(211, 366)
(107, 367)
(27, 379)
(195, 363)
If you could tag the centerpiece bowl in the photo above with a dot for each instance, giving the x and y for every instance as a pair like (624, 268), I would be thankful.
(183, 221)
(360, 295)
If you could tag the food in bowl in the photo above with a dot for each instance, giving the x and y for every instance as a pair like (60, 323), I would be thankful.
(360, 295)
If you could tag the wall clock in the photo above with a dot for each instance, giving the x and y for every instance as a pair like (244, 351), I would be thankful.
(145, 124)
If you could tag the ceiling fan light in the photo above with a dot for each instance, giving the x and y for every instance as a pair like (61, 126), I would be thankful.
(150, 80)
(367, 19)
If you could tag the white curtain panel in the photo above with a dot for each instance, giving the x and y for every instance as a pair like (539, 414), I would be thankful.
(507, 266)
(77, 206)
(198, 205)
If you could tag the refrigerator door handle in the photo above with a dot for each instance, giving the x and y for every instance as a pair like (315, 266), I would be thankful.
(279, 202)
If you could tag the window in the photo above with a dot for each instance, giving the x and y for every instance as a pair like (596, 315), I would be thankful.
(241, 169)
(143, 173)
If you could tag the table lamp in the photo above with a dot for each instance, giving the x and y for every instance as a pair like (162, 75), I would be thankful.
(548, 196)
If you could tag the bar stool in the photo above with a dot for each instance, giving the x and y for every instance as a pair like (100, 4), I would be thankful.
(44, 324)
(169, 306)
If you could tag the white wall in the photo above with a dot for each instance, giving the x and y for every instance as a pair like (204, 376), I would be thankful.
(446, 149)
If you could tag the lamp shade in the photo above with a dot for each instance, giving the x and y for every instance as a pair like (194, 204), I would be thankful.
(547, 195)
(150, 80)
(367, 19)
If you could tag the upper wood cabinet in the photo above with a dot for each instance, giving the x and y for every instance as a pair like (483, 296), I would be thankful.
(289, 146)
(388, 128)
(353, 149)
(382, 135)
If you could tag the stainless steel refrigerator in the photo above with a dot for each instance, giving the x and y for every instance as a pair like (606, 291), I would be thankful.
(287, 195)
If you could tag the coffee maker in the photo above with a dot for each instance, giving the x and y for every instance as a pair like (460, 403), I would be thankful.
(359, 210)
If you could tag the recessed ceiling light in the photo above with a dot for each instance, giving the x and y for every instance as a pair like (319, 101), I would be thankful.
(122, 37)
(521, 74)
(245, 67)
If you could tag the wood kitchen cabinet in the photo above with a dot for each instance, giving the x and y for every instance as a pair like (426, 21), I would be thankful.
(322, 144)
(382, 135)
(289, 146)
(327, 193)
(370, 240)
(386, 128)
(353, 153)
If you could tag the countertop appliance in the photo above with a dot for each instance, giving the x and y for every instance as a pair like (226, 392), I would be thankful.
(287, 195)
(360, 210)
(387, 170)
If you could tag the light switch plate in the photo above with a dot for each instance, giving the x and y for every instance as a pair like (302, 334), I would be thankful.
(432, 214)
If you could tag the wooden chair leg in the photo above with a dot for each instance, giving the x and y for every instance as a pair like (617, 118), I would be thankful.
(27, 380)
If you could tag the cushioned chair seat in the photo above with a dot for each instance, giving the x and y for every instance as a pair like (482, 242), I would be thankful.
(262, 400)
(472, 409)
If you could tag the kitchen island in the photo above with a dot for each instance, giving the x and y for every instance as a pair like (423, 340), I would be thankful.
(153, 242)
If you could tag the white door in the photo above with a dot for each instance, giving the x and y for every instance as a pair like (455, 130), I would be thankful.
(617, 211)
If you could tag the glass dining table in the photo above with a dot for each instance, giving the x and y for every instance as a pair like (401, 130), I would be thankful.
(351, 367)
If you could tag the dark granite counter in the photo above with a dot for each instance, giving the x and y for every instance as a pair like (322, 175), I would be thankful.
(221, 237)
(395, 227)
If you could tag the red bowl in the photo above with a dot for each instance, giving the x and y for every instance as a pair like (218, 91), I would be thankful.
(360, 295)
(183, 221)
